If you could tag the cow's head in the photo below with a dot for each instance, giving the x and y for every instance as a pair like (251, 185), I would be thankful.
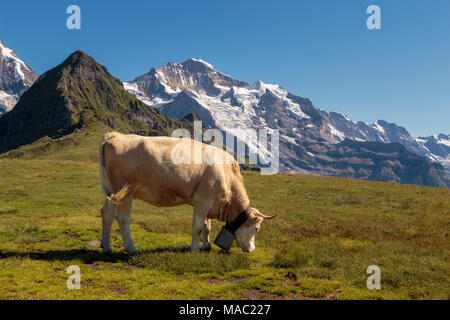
(245, 235)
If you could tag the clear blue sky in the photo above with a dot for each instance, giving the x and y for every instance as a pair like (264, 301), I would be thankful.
(316, 49)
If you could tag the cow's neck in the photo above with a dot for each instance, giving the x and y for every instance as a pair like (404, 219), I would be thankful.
(239, 203)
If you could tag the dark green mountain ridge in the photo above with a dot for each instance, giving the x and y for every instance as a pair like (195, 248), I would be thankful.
(79, 93)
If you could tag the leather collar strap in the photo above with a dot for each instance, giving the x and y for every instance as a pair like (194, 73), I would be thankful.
(238, 222)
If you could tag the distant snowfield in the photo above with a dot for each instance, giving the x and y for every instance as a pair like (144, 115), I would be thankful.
(9, 55)
(219, 107)
(134, 90)
(7, 100)
(229, 118)
(336, 133)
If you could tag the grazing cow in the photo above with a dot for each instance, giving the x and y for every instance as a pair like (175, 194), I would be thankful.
(133, 166)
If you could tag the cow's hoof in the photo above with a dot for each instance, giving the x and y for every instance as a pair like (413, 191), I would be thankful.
(207, 247)
(132, 251)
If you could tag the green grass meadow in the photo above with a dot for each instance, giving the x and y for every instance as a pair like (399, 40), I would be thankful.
(329, 230)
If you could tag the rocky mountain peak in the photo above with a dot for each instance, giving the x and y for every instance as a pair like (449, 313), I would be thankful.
(15, 78)
(81, 65)
(161, 85)
(4, 47)
(79, 57)
(258, 85)
(198, 66)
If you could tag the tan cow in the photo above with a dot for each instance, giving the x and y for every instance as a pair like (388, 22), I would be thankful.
(133, 166)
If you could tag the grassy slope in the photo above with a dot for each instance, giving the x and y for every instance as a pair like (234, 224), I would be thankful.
(329, 230)
(81, 145)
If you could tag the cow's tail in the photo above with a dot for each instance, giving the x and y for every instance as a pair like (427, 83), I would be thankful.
(126, 191)
(101, 164)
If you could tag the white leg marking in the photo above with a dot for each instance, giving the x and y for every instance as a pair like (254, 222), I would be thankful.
(205, 235)
(124, 224)
(197, 226)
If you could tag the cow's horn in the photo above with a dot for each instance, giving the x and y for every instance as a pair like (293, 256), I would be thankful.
(266, 217)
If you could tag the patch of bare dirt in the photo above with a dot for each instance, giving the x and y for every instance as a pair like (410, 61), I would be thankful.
(332, 295)
(215, 281)
(95, 267)
(126, 267)
(232, 280)
(115, 287)
(86, 283)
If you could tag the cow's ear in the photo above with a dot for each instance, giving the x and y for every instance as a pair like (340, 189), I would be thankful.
(252, 219)
(255, 218)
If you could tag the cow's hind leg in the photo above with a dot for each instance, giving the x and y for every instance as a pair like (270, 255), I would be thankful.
(108, 212)
(205, 235)
(123, 218)
(123, 199)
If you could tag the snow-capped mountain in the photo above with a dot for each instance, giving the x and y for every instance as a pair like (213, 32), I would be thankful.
(435, 148)
(15, 78)
(223, 102)
(161, 85)
(311, 140)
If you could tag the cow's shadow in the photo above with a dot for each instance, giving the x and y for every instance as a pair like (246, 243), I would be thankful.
(85, 255)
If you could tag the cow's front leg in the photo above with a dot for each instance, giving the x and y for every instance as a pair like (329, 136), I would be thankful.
(197, 227)
(205, 235)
